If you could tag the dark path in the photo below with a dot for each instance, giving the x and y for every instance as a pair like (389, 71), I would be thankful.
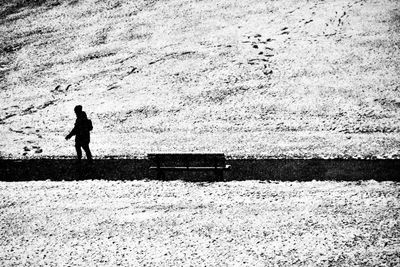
(242, 169)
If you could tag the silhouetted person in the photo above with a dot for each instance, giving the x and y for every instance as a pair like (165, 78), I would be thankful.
(81, 130)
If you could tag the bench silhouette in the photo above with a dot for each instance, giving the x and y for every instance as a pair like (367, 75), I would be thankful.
(162, 162)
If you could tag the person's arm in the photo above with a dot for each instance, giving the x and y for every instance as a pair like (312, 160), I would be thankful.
(72, 133)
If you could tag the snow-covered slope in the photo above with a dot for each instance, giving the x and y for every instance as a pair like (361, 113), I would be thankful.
(268, 78)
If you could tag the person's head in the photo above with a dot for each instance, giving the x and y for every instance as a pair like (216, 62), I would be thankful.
(78, 110)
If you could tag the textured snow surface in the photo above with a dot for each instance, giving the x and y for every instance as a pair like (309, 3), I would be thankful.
(293, 78)
(153, 223)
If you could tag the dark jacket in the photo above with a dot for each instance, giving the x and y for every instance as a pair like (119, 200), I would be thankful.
(82, 129)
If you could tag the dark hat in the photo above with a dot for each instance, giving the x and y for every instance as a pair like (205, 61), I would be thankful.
(78, 109)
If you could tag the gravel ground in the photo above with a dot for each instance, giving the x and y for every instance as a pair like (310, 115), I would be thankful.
(154, 223)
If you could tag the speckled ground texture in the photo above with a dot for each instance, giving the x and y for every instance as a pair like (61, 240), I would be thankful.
(154, 223)
(293, 78)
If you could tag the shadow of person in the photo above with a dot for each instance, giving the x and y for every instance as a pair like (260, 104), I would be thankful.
(81, 130)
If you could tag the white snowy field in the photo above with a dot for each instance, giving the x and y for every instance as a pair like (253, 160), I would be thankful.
(154, 223)
(299, 78)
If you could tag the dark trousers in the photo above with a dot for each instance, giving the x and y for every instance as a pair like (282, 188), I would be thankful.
(86, 148)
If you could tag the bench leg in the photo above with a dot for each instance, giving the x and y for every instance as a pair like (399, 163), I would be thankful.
(219, 174)
(160, 175)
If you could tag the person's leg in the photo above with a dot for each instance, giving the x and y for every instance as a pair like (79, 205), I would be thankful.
(87, 151)
(78, 150)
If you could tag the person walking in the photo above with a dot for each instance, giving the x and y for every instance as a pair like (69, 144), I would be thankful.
(81, 130)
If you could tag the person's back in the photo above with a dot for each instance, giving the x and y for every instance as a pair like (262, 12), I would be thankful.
(83, 127)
